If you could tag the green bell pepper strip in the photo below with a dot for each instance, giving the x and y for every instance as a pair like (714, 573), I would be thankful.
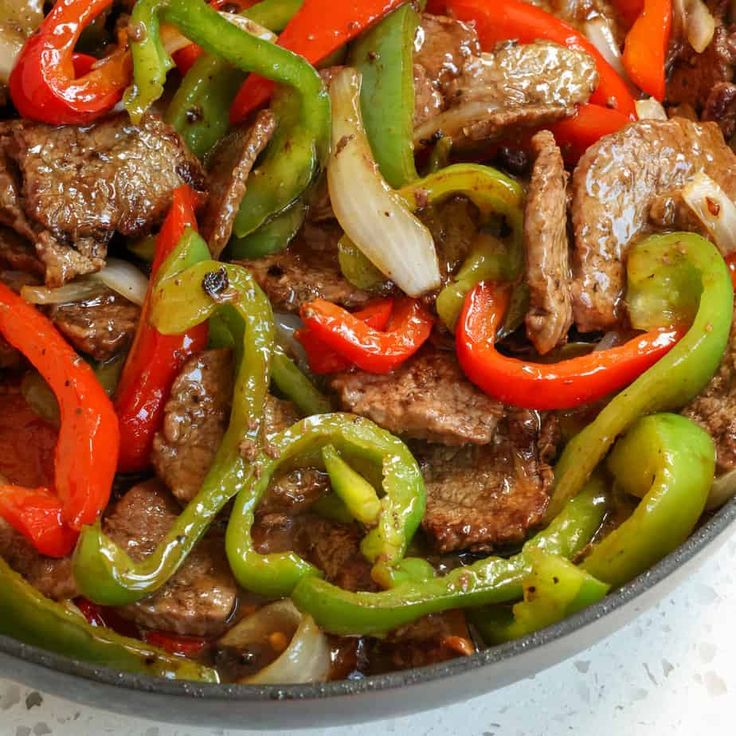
(357, 269)
(554, 590)
(682, 373)
(104, 572)
(273, 236)
(488, 581)
(384, 55)
(358, 495)
(293, 384)
(493, 193)
(668, 461)
(300, 145)
(199, 110)
(402, 505)
(28, 616)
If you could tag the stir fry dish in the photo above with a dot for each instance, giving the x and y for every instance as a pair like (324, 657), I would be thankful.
(339, 338)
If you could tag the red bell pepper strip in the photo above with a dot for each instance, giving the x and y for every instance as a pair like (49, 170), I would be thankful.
(323, 359)
(43, 83)
(562, 385)
(317, 29)
(154, 360)
(185, 646)
(502, 20)
(645, 47)
(371, 350)
(590, 123)
(87, 447)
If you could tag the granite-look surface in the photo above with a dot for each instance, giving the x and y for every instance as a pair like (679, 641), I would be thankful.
(672, 671)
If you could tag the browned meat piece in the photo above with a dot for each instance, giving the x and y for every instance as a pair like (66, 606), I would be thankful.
(9, 356)
(428, 398)
(715, 408)
(614, 187)
(304, 272)
(516, 86)
(69, 189)
(101, 326)
(720, 107)
(51, 577)
(229, 169)
(200, 597)
(454, 226)
(195, 419)
(332, 547)
(480, 498)
(16, 253)
(693, 76)
(547, 257)
(428, 100)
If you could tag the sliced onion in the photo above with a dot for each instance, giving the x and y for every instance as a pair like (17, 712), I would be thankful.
(693, 19)
(174, 41)
(306, 659)
(125, 279)
(18, 19)
(77, 291)
(372, 214)
(286, 327)
(722, 490)
(714, 209)
(650, 109)
(598, 31)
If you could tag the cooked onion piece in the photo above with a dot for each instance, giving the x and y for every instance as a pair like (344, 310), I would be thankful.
(18, 19)
(650, 109)
(693, 20)
(305, 659)
(125, 279)
(714, 209)
(598, 32)
(174, 41)
(372, 214)
(76, 291)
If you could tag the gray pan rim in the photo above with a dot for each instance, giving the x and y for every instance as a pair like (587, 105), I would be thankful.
(697, 543)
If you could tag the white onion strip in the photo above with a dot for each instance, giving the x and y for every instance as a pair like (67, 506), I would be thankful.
(372, 214)
(693, 20)
(599, 33)
(714, 209)
(650, 109)
(125, 279)
(722, 490)
(77, 291)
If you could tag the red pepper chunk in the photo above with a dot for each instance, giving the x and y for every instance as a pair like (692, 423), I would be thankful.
(154, 360)
(87, 447)
(317, 29)
(371, 350)
(645, 47)
(504, 20)
(185, 646)
(562, 385)
(322, 359)
(576, 134)
(43, 83)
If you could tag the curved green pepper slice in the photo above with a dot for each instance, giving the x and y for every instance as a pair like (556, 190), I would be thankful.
(668, 461)
(28, 616)
(402, 505)
(104, 572)
(491, 580)
(677, 377)
(384, 55)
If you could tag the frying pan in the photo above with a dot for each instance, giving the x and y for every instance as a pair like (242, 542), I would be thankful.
(350, 701)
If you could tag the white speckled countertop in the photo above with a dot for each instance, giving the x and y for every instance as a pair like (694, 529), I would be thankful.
(672, 671)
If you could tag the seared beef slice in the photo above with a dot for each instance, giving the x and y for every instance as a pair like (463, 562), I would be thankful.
(483, 497)
(69, 189)
(427, 398)
(620, 184)
(200, 597)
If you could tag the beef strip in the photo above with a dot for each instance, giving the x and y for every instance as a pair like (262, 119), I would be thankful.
(69, 189)
(17, 253)
(229, 168)
(427, 397)
(52, 577)
(545, 238)
(480, 498)
(199, 599)
(515, 87)
(101, 326)
(617, 184)
(195, 419)
(332, 547)
(428, 100)
(715, 408)
(307, 270)
(693, 76)
(720, 108)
